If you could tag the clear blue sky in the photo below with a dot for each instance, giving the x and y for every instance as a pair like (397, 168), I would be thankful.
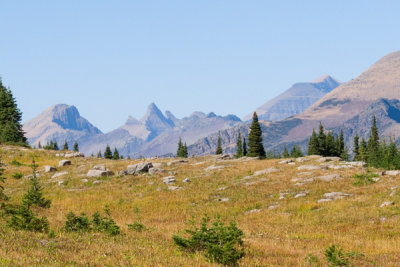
(112, 58)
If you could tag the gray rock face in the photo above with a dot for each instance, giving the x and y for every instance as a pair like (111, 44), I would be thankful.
(64, 162)
(295, 100)
(139, 168)
(48, 168)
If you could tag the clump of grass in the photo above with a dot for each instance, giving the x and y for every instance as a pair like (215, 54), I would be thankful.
(365, 178)
(17, 175)
(137, 227)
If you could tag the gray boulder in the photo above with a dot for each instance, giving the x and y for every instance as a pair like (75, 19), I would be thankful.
(153, 171)
(186, 180)
(99, 168)
(48, 168)
(64, 162)
(139, 168)
(99, 173)
(74, 155)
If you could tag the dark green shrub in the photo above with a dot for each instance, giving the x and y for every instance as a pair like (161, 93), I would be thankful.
(336, 257)
(137, 227)
(22, 218)
(105, 224)
(17, 175)
(16, 163)
(222, 244)
(75, 223)
(34, 196)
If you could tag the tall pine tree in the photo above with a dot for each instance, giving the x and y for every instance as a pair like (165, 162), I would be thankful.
(373, 144)
(313, 146)
(256, 148)
(34, 195)
(239, 146)
(218, 151)
(65, 146)
(10, 118)
(76, 147)
(356, 149)
(108, 153)
(115, 154)
(244, 147)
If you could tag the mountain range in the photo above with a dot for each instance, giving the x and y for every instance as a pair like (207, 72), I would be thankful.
(285, 120)
(349, 107)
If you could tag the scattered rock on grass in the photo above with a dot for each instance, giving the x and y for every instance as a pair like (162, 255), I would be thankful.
(64, 162)
(386, 203)
(58, 174)
(214, 168)
(334, 196)
(392, 173)
(48, 168)
(328, 178)
(169, 180)
(311, 167)
(266, 171)
(174, 188)
(139, 168)
(186, 180)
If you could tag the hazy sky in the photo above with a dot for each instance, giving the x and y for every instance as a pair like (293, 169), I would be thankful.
(112, 58)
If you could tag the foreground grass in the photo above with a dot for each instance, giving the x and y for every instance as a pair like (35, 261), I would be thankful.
(284, 236)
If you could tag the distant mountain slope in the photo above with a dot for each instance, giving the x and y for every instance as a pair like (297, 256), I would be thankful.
(348, 106)
(155, 134)
(60, 122)
(295, 100)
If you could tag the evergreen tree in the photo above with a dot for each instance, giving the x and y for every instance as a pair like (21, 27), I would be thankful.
(363, 150)
(2, 179)
(115, 154)
(256, 148)
(10, 118)
(39, 145)
(76, 147)
(34, 195)
(99, 155)
(218, 151)
(108, 153)
(285, 152)
(184, 151)
(356, 150)
(55, 145)
(340, 143)
(345, 154)
(179, 152)
(330, 146)
(296, 152)
(313, 146)
(65, 147)
(244, 147)
(373, 144)
(239, 147)
(321, 140)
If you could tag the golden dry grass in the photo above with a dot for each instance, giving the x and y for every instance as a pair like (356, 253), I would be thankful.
(284, 236)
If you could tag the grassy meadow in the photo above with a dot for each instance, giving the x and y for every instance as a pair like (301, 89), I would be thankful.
(280, 230)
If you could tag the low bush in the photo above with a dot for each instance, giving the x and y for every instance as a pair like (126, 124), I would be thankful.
(365, 178)
(17, 175)
(336, 257)
(137, 227)
(75, 223)
(222, 244)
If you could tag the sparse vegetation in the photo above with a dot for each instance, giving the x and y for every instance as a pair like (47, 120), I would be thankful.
(77, 223)
(220, 242)
(17, 175)
(336, 257)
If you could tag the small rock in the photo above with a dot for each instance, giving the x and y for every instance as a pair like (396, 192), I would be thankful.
(252, 211)
(48, 168)
(74, 155)
(336, 195)
(224, 157)
(272, 207)
(169, 180)
(153, 171)
(60, 183)
(224, 199)
(85, 180)
(58, 174)
(324, 200)
(286, 161)
(186, 180)
(311, 167)
(97, 182)
(99, 168)
(179, 161)
(328, 178)
(386, 203)
(301, 195)
(266, 171)
(123, 172)
(326, 159)
(64, 162)
(392, 173)
(98, 173)
(339, 167)
(313, 157)
(174, 188)
(302, 159)
(357, 163)
(214, 168)
(222, 188)
(158, 165)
